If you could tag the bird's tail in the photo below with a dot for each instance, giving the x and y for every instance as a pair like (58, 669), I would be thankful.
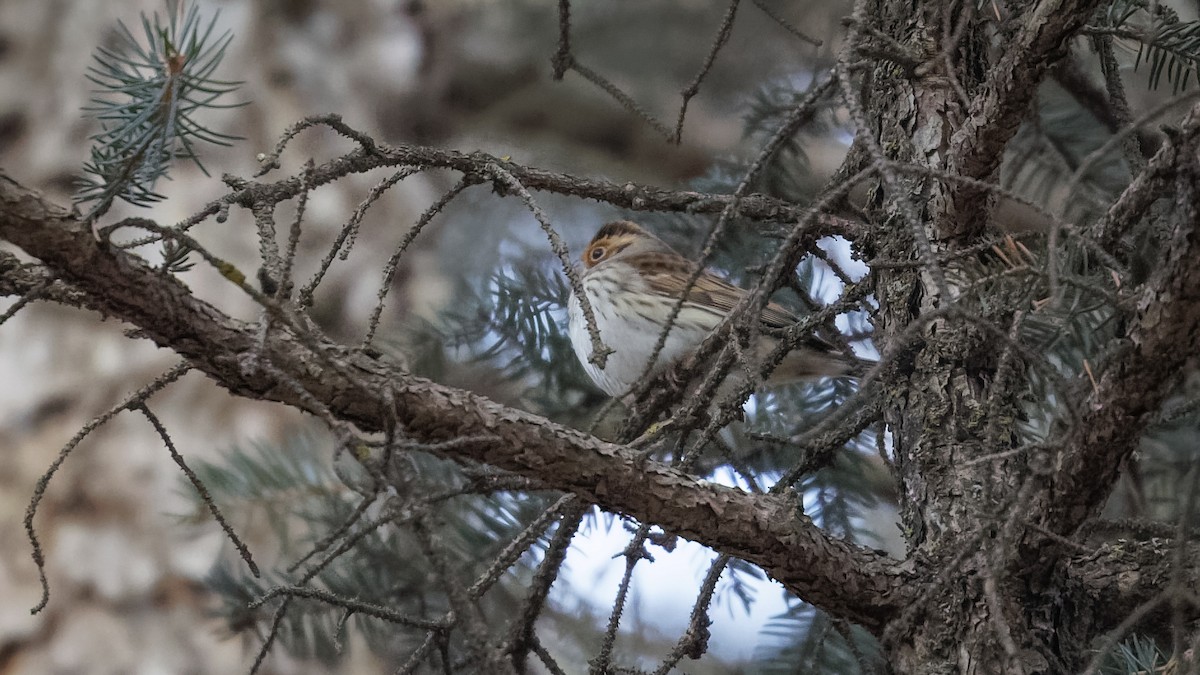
(808, 363)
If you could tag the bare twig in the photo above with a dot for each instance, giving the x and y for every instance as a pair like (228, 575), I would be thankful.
(138, 397)
(201, 489)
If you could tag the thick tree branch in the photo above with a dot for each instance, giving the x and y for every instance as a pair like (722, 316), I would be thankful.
(1112, 581)
(1162, 339)
(846, 580)
(1146, 188)
(17, 278)
(1002, 102)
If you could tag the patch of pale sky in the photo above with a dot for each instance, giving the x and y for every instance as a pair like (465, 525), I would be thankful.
(664, 591)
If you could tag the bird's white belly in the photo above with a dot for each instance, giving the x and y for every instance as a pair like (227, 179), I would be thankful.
(625, 328)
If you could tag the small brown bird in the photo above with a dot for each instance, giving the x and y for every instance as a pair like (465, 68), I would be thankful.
(633, 280)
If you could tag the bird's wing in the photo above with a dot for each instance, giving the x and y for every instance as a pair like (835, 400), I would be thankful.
(669, 276)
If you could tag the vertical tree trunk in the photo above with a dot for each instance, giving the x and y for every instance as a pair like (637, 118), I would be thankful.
(956, 397)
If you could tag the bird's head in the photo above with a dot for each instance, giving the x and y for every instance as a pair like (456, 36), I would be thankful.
(621, 238)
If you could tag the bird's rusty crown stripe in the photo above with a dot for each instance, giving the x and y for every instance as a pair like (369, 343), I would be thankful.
(619, 228)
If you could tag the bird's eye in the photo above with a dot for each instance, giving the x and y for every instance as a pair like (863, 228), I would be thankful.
(597, 253)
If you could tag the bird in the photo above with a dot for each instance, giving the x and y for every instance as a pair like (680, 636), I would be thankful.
(633, 280)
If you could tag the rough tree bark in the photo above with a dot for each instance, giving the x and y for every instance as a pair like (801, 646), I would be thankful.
(993, 582)
(951, 404)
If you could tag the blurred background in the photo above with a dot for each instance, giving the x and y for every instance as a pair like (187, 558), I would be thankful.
(130, 555)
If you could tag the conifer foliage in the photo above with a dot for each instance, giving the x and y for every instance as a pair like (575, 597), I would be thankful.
(1008, 240)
